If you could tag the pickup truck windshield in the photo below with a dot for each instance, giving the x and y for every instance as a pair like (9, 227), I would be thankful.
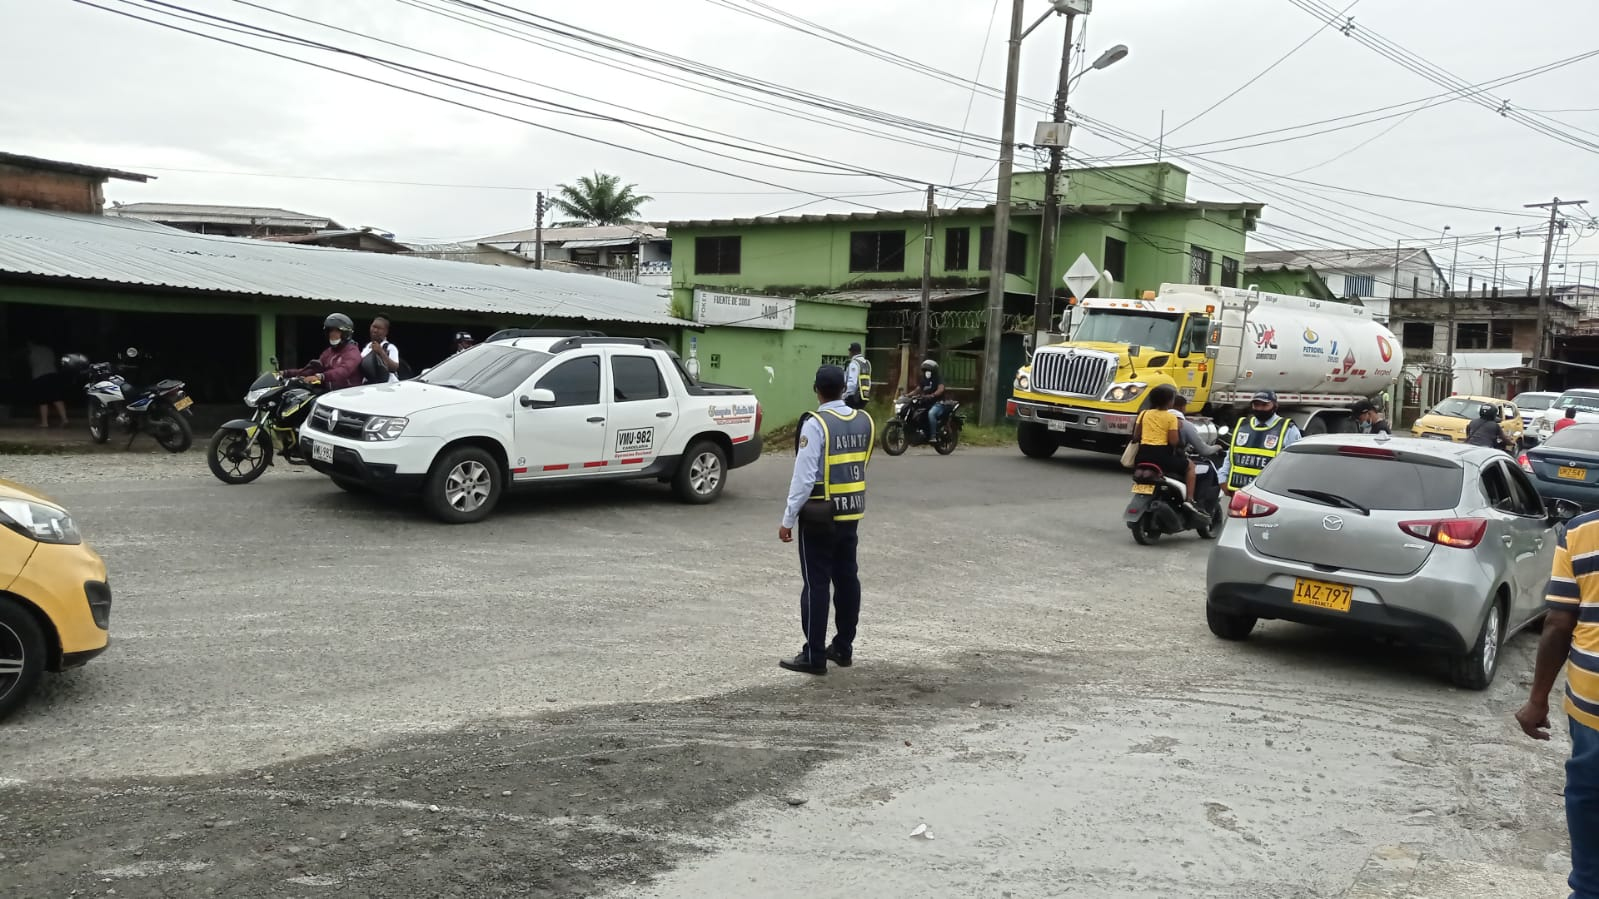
(1158, 332)
(1582, 402)
(487, 369)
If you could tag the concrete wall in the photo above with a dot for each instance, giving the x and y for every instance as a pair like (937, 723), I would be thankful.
(59, 191)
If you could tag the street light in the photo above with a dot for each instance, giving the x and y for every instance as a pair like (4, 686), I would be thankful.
(1110, 57)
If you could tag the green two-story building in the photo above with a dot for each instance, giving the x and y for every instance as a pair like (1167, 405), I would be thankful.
(1133, 223)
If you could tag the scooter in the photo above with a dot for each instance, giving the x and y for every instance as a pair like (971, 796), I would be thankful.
(1156, 507)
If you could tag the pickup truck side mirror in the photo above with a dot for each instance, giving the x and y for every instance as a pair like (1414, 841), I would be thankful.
(537, 398)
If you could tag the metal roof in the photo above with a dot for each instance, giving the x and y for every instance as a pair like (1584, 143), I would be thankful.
(629, 233)
(127, 251)
(1333, 260)
(907, 295)
(233, 215)
(71, 168)
(596, 244)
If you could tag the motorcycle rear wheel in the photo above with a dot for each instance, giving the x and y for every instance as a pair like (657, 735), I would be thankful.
(894, 441)
(947, 441)
(226, 443)
(99, 423)
(1144, 531)
(171, 429)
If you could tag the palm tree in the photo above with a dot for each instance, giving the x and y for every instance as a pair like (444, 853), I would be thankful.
(599, 200)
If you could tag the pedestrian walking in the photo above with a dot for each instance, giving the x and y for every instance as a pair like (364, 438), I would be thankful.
(826, 500)
(48, 387)
(1571, 636)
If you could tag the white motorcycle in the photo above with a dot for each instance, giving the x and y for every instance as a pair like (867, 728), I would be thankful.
(161, 410)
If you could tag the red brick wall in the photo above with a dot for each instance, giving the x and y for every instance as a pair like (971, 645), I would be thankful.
(50, 190)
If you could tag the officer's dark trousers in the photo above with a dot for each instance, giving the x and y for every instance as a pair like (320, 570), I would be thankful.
(827, 565)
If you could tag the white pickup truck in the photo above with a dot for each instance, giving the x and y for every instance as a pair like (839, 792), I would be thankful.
(531, 407)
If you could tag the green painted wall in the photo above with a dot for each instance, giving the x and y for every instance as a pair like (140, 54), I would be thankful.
(1150, 183)
(1294, 282)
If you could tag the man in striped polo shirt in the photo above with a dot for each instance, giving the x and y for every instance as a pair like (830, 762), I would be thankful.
(1571, 635)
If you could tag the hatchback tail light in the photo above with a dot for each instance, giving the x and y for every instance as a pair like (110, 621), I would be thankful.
(1525, 465)
(1460, 533)
(1245, 506)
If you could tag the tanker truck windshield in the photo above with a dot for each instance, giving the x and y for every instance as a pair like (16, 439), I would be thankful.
(1145, 329)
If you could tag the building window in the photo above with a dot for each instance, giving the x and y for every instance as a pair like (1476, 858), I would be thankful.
(877, 251)
(1116, 259)
(717, 255)
(1502, 334)
(1199, 266)
(1471, 336)
(1360, 285)
(1417, 336)
(1015, 251)
(1229, 271)
(957, 249)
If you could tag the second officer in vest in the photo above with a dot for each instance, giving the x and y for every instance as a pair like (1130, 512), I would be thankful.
(1259, 437)
(826, 500)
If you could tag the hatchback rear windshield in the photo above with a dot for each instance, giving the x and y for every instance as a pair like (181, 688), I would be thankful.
(1390, 484)
(1581, 439)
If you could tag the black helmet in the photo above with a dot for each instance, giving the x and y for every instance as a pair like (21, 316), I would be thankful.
(1488, 411)
(340, 321)
(463, 335)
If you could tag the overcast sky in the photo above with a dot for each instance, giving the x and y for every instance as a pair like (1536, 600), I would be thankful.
(91, 86)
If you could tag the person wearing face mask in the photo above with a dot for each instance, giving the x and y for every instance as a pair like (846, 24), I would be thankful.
(1259, 437)
(339, 366)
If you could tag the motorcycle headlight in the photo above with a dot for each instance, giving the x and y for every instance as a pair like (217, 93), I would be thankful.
(1023, 382)
(254, 396)
(1126, 391)
(379, 427)
(43, 523)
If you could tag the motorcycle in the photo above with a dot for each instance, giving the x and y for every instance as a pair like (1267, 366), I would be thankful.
(1156, 507)
(160, 410)
(908, 427)
(241, 450)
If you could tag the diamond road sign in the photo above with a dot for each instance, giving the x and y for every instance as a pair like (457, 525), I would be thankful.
(1082, 276)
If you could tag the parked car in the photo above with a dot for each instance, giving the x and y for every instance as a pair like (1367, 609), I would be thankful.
(55, 609)
(1443, 546)
(1448, 419)
(1586, 402)
(1533, 404)
(1566, 466)
(526, 410)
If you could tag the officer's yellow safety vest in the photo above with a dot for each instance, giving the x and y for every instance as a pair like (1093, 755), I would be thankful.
(846, 448)
(1252, 448)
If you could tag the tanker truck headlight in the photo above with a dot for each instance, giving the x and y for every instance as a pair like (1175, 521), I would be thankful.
(1127, 392)
(1023, 382)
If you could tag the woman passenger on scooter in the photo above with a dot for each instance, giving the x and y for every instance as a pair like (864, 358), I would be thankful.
(1160, 440)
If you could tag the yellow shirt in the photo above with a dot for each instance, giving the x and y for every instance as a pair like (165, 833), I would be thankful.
(1157, 422)
(1574, 587)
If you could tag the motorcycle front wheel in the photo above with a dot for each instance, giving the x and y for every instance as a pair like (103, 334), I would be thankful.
(235, 458)
(894, 442)
(171, 430)
(99, 423)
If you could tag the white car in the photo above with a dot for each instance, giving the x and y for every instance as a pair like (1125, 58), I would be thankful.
(531, 408)
(1586, 402)
(1533, 404)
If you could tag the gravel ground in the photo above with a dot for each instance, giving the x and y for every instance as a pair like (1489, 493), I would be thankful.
(311, 693)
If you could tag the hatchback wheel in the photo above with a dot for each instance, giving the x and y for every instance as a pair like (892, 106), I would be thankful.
(1475, 669)
(1227, 625)
(21, 656)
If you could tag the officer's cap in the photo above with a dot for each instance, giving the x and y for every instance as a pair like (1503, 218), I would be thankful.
(829, 378)
(1265, 396)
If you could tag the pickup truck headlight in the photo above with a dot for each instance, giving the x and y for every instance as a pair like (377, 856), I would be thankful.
(1126, 391)
(1023, 382)
(40, 522)
(379, 427)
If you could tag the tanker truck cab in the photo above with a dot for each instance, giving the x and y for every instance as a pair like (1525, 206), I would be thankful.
(1217, 346)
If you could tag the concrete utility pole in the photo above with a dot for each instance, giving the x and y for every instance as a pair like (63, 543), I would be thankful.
(1451, 300)
(988, 402)
(1543, 290)
(1044, 297)
(927, 278)
(538, 233)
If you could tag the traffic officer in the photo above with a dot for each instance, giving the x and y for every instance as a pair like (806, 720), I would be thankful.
(826, 500)
(1259, 437)
(857, 379)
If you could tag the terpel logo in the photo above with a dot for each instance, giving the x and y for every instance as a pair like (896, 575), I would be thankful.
(1385, 348)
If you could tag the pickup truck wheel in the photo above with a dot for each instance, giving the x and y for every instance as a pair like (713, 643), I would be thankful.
(702, 474)
(1035, 440)
(464, 486)
(21, 656)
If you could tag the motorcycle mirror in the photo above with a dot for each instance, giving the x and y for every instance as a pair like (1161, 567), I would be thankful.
(1223, 431)
(273, 361)
(131, 352)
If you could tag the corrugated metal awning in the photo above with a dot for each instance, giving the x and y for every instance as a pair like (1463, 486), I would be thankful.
(134, 252)
(596, 244)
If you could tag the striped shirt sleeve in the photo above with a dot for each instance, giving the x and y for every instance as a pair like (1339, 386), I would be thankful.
(1563, 593)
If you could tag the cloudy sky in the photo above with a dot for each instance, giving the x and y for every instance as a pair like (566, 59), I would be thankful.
(224, 124)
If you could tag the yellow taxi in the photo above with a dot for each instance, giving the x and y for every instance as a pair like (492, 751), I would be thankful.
(1448, 419)
(55, 603)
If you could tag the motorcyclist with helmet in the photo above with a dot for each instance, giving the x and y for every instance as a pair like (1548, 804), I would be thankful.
(930, 390)
(1486, 431)
(339, 366)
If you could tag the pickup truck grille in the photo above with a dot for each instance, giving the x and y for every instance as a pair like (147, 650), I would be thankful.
(1074, 372)
(350, 424)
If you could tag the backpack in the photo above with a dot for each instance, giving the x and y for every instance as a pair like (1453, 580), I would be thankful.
(373, 371)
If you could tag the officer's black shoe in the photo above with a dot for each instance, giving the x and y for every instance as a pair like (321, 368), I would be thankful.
(841, 659)
(803, 665)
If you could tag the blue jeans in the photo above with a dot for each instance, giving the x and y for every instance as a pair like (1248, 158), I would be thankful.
(934, 413)
(1582, 810)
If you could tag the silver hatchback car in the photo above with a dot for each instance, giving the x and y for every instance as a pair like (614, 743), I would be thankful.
(1444, 546)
